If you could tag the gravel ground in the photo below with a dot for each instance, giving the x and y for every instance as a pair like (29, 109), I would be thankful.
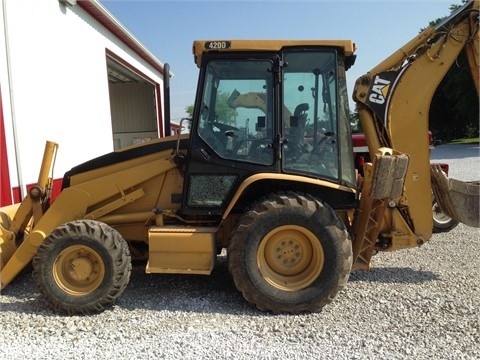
(419, 303)
(464, 160)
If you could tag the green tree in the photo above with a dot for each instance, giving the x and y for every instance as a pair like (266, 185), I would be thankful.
(223, 113)
(189, 111)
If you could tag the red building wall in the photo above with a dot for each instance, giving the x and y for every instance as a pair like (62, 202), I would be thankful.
(5, 189)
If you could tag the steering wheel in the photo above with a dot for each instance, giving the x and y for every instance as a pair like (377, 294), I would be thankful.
(224, 127)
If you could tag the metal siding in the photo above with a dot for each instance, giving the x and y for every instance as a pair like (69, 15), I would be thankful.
(63, 95)
(132, 107)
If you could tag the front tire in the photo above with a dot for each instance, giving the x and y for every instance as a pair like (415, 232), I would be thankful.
(82, 267)
(290, 253)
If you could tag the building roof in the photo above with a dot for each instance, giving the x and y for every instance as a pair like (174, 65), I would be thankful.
(104, 17)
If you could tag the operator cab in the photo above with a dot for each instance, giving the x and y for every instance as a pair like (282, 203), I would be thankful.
(279, 111)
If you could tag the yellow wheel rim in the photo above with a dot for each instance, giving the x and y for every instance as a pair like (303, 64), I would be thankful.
(78, 270)
(290, 257)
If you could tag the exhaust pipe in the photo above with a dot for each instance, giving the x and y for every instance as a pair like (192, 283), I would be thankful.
(166, 98)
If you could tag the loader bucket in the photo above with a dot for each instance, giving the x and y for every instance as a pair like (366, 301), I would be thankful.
(7, 239)
(458, 199)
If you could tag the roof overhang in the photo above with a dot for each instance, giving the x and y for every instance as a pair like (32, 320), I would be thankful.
(105, 18)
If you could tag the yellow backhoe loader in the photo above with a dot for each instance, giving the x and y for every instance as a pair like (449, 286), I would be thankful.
(272, 182)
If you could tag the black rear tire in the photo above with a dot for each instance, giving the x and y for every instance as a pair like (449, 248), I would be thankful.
(290, 253)
(441, 221)
(82, 267)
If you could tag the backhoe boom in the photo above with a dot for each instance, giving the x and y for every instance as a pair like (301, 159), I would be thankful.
(393, 101)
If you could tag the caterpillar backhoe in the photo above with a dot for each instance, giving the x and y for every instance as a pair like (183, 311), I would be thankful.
(266, 173)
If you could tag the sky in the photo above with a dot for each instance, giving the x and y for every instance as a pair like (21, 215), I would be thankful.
(168, 28)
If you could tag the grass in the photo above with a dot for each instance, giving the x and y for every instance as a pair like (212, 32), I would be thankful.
(470, 141)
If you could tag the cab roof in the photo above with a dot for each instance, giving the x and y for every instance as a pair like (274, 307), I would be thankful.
(203, 46)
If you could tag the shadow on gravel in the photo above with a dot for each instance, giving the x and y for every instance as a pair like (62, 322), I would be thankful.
(30, 306)
(153, 292)
(215, 293)
(24, 298)
(394, 275)
(187, 293)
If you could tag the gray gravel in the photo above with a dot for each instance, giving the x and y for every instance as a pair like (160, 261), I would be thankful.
(464, 160)
(419, 303)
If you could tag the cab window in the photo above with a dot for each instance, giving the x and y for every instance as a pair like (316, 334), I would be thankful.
(310, 124)
(236, 119)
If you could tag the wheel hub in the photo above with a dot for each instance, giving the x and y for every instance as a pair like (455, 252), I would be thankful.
(439, 216)
(290, 257)
(78, 270)
(288, 254)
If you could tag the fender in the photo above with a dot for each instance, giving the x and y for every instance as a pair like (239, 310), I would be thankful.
(280, 177)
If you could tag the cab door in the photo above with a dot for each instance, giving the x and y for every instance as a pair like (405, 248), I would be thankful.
(233, 130)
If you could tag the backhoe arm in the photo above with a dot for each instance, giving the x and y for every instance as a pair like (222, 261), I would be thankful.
(393, 101)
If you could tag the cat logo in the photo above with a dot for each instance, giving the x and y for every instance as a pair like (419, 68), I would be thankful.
(379, 90)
